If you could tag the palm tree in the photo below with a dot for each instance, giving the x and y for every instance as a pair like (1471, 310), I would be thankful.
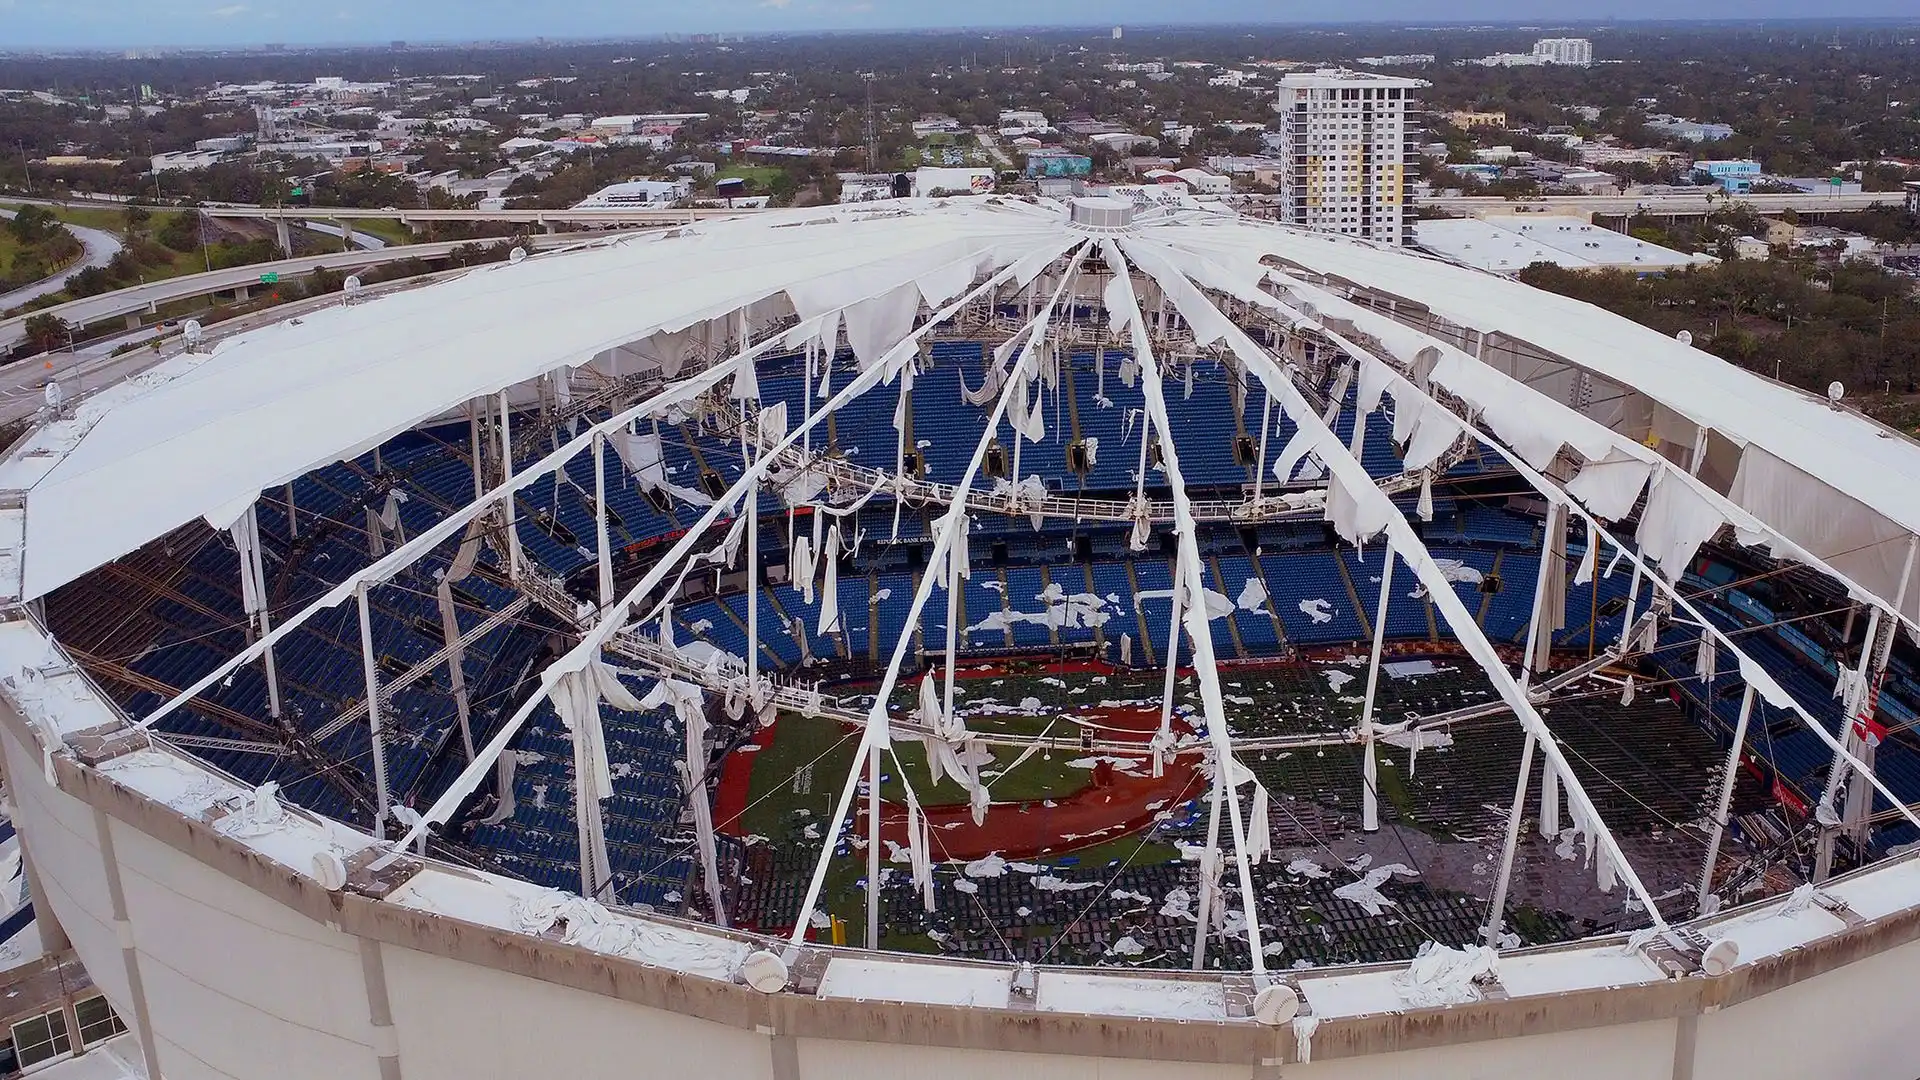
(46, 330)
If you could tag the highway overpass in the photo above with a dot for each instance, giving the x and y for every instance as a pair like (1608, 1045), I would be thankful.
(1686, 205)
(295, 215)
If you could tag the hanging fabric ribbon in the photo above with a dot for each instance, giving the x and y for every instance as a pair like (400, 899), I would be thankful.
(1707, 658)
(576, 697)
(503, 772)
(919, 852)
(1590, 561)
(830, 588)
(1259, 831)
(245, 531)
(996, 378)
(689, 705)
(802, 567)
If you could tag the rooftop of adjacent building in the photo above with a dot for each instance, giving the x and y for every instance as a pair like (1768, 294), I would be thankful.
(1324, 78)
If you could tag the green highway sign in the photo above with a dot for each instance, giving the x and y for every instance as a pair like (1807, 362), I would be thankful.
(269, 278)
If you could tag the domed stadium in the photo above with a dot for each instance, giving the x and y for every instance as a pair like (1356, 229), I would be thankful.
(1109, 637)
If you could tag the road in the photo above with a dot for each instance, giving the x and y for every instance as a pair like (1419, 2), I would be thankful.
(365, 241)
(991, 144)
(100, 246)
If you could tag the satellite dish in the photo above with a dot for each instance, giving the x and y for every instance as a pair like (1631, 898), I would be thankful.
(192, 332)
(763, 971)
(1720, 957)
(1684, 337)
(1836, 391)
(517, 256)
(352, 285)
(1276, 1005)
(329, 871)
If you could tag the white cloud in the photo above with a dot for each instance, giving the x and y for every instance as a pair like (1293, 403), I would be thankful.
(229, 11)
(781, 4)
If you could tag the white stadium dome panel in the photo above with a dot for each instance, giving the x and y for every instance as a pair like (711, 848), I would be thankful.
(969, 635)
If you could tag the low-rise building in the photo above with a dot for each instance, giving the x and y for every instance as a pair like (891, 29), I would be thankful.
(1477, 170)
(1205, 183)
(1587, 181)
(1611, 154)
(1500, 154)
(1692, 131)
(185, 160)
(637, 193)
(1470, 118)
(1055, 163)
(935, 124)
(1125, 142)
(1570, 52)
(70, 161)
(1839, 243)
(929, 181)
(1576, 52)
(643, 123)
(1735, 177)
(1823, 185)
(868, 187)
(1022, 122)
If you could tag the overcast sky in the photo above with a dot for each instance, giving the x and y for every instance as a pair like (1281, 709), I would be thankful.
(219, 22)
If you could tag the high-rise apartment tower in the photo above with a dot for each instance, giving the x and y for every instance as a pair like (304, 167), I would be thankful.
(1348, 138)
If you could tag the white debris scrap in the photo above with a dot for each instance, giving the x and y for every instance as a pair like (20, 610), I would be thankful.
(1061, 611)
(1366, 891)
(1320, 611)
(1442, 975)
(1253, 595)
(1424, 739)
(1218, 605)
(990, 867)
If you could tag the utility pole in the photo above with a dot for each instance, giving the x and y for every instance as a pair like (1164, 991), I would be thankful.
(873, 140)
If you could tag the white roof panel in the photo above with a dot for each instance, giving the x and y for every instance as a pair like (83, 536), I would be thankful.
(203, 435)
(1509, 245)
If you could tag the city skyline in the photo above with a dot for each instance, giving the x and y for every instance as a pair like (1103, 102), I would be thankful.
(110, 24)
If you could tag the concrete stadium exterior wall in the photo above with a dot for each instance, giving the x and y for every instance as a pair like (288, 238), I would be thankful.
(229, 965)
